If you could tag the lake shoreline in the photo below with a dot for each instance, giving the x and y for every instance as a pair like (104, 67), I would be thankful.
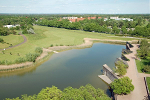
(88, 42)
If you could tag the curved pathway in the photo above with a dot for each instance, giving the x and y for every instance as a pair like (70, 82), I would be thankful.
(87, 43)
(139, 92)
(25, 40)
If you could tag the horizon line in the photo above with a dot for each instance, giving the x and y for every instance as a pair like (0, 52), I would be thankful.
(81, 13)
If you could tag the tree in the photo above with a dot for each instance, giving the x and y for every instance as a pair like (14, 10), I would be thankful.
(144, 49)
(50, 93)
(13, 32)
(130, 32)
(17, 27)
(4, 31)
(122, 85)
(148, 25)
(31, 31)
(87, 92)
(24, 31)
(146, 68)
(124, 30)
(121, 68)
(115, 30)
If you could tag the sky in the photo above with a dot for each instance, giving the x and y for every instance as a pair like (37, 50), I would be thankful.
(75, 6)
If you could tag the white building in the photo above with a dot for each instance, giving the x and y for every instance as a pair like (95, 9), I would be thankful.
(70, 17)
(9, 26)
(117, 18)
(114, 18)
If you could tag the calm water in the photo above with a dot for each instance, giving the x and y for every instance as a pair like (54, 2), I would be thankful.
(69, 68)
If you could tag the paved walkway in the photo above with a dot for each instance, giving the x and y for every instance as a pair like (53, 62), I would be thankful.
(25, 40)
(139, 92)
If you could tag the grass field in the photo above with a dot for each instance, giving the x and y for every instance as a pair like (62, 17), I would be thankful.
(10, 39)
(45, 36)
(141, 64)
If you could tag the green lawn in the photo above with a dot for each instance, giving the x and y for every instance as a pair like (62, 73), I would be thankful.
(11, 39)
(148, 82)
(45, 36)
(141, 64)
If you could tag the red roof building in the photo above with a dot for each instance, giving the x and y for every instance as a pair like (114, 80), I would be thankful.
(74, 19)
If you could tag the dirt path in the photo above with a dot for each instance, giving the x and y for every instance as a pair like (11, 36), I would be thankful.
(87, 43)
(139, 92)
(25, 40)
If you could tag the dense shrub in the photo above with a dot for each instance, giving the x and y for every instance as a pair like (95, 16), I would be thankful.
(51, 45)
(24, 31)
(121, 68)
(31, 31)
(1, 40)
(144, 51)
(20, 60)
(122, 85)
(146, 68)
(5, 62)
(31, 57)
(38, 50)
(17, 27)
(2, 62)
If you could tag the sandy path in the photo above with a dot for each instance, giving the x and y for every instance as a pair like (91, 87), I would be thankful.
(87, 42)
(139, 92)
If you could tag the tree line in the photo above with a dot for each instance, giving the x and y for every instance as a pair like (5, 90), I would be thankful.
(138, 27)
(87, 92)
(122, 27)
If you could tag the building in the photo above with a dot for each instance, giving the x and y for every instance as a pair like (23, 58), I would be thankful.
(117, 18)
(70, 17)
(76, 19)
(10, 26)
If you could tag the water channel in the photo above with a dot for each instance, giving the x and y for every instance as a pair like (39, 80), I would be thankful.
(68, 68)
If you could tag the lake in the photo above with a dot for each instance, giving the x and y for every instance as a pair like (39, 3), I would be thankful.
(68, 68)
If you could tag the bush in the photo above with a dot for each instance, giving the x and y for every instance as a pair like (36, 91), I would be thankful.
(31, 31)
(17, 27)
(13, 32)
(121, 68)
(31, 57)
(144, 49)
(1, 40)
(122, 85)
(20, 60)
(51, 45)
(38, 50)
(24, 31)
(5, 62)
(146, 68)
(2, 62)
